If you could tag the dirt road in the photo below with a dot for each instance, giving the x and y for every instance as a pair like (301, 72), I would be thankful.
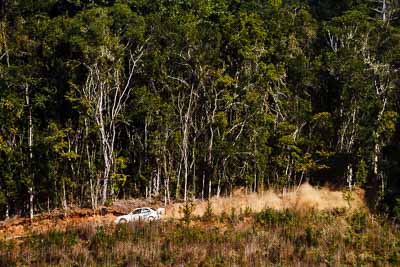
(304, 198)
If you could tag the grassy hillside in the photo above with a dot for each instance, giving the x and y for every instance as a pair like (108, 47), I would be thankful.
(237, 238)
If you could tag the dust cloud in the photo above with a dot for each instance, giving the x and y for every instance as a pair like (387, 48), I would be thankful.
(306, 197)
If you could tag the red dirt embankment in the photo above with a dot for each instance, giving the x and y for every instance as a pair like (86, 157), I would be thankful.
(304, 198)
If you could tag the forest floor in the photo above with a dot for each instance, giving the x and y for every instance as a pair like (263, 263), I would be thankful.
(303, 198)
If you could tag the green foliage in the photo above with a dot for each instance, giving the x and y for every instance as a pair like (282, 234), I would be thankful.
(6, 258)
(396, 209)
(316, 238)
(247, 93)
(310, 237)
(348, 196)
(101, 240)
(362, 173)
(208, 213)
(54, 239)
(271, 217)
(187, 210)
(359, 222)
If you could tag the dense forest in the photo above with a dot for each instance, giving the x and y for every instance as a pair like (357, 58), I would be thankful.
(174, 99)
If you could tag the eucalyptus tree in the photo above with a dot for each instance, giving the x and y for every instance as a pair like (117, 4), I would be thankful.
(368, 85)
(112, 60)
(387, 10)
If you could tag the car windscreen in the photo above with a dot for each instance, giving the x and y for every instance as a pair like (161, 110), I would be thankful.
(138, 211)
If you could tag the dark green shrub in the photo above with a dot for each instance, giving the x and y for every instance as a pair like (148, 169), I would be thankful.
(122, 232)
(208, 214)
(6, 255)
(223, 217)
(311, 236)
(359, 222)
(187, 211)
(191, 235)
(247, 212)
(272, 217)
(213, 261)
(108, 203)
(396, 210)
(101, 240)
(394, 258)
(55, 238)
(233, 218)
(166, 252)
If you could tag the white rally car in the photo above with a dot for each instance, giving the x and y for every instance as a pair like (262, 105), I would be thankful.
(145, 214)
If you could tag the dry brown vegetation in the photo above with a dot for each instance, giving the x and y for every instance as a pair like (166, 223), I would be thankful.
(269, 237)
(303, 198)
(305, 227)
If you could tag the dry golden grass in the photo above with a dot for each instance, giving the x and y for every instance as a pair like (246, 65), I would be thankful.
(266, 238)
(306, 197)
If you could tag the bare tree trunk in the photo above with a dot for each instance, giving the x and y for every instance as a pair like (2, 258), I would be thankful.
(64, 198)
(350, 176)
(150, 188)
(107, 96)
(209, 188)
(255, 167)
(202, 188)
(158, 179)
(185, 107)
(377, 148)
(375, 159)
(92, 195)
(185, 141)
(165, 192)
(4, 49)
(166, 177)
(193, 167)
(30, 144)
(384, 10)
(178, 182)
(387, 10)
(186, 174)
(219, 186)
(97, 193)
(262, 183)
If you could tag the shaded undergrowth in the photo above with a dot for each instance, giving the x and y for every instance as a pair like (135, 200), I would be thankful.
(238, 238)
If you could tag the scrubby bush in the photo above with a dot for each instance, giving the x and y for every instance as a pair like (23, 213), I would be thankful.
(278, 238)
(101, 240)
(271, 217)
(6, 254)
(208, 213)
(396, 210)
(187, 211)
(358, 222)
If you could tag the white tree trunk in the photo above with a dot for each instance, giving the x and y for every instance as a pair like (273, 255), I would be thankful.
(30, 144)
(64, 198)
(209, 188)
(350, 176)
(202, 188)
(107, 96)
(219, 186)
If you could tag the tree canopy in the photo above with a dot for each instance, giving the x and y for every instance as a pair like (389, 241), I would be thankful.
(104, 99)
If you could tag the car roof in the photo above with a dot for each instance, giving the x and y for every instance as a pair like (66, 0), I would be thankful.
(143, 208)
